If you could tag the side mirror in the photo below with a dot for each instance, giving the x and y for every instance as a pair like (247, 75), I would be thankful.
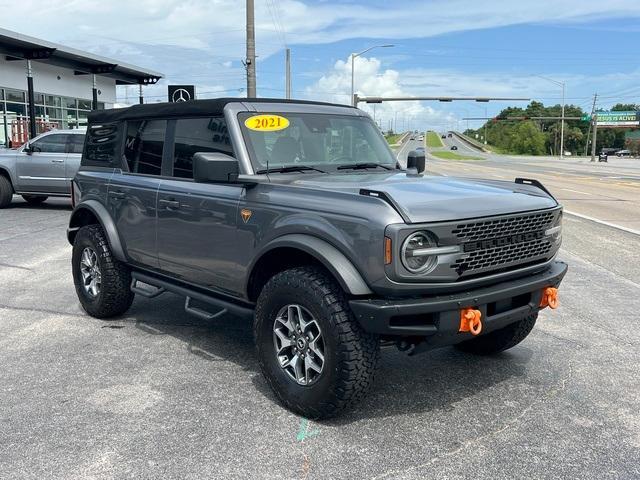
(416, 160)
(27, 149)
(215, 167)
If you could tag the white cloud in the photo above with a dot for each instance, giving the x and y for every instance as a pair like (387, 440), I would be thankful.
(371, 80)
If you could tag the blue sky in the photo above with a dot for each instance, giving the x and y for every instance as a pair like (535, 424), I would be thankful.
(453, 47)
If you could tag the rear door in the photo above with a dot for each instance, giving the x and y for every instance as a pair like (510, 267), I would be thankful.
(42, 168)
(197, 231)
(132, 195)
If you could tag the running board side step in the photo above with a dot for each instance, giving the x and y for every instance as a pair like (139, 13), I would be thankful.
(158, 287)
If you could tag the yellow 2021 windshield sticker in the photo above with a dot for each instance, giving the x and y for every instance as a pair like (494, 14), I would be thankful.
(266, 123)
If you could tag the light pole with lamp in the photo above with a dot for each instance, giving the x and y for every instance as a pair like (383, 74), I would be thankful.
(560, 84)
(353, 58)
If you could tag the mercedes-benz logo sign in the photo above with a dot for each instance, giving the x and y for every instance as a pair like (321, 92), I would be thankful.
(181, 95)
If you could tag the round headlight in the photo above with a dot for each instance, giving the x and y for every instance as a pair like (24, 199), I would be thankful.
(412, 258)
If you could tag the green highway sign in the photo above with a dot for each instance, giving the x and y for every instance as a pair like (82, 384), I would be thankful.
(618, 119)
(585, 118)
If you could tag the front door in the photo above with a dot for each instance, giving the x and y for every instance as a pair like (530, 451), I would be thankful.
(197, 222)
(41, 165)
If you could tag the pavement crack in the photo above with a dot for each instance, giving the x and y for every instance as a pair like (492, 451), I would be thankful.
(39, 310)
(8, 265)
(464, 446)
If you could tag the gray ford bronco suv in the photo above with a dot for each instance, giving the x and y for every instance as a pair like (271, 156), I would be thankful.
(298, 215)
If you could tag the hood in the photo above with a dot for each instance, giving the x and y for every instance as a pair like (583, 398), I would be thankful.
(430, 198)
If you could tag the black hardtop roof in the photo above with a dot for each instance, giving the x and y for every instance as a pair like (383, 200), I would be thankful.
(213, 106)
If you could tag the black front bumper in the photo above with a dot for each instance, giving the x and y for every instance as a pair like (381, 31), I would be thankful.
(438, 317)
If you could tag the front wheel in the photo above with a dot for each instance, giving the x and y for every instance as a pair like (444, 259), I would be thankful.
(500, 340)
(102, 282)
(313, 353)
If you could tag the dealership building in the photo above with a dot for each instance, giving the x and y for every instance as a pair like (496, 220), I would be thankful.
(44, 85)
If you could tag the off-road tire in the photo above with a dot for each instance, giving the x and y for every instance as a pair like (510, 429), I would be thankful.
(500, 340)
(34, 199)
(115, 295)
(351, 354)
(6, 191)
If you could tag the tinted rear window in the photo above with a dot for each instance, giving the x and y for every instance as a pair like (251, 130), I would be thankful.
(102, 146)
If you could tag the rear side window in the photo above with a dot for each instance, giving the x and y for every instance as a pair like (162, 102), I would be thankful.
(198, 135)
(143, 146)
(75, 143)
(102, 145)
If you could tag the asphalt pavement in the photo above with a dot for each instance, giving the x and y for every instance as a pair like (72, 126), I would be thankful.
(160, 394)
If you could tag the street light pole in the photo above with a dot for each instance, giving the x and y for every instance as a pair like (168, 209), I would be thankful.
(560, 84)
(353, 58)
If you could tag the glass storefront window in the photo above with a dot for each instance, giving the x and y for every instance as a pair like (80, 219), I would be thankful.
(54, 101)
(17, 108)
(39, 111)
(39, 98)
(54, 113)
(1, 94)
(15, 96)
(69, 103)
(84, 104)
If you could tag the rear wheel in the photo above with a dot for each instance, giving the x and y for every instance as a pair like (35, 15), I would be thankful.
(6, 191)
(500, 340)
(313, 353)
(102, 282)
(34, 199)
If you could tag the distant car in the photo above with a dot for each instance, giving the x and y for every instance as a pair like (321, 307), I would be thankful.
(450, 135)
(420, 149)
(41, 168)
(443, 136)
(413, 138)
(421, 137)
(623, 153)
(453, 147)
(603, 157)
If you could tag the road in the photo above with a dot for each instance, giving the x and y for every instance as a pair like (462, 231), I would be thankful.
(160, 394)
(608, 192)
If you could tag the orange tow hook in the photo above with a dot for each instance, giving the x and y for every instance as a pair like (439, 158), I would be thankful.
(549, 298)
(470, 321)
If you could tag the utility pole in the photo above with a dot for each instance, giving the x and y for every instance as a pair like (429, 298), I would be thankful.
(595, 134)
(287, 77)
(593, 109)
(251, 51)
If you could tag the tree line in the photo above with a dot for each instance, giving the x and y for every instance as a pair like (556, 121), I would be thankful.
(542, 137)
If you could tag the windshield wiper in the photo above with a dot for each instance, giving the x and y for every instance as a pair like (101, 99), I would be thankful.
(290, 168)
(360, 166)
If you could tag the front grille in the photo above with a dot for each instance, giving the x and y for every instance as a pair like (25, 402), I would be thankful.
(504, 226)
(498, 257)
(495, 255)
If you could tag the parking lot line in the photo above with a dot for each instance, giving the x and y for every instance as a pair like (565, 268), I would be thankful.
(602, 222)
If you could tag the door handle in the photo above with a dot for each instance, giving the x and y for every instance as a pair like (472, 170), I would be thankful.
(57, 160)
(170, 203)
(117, 194)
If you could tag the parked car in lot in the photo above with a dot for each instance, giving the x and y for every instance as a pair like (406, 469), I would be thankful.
(623, 153)
(42, 167)
(296, 214)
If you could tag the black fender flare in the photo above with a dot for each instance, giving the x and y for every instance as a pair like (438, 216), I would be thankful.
(333, 259)
(106, 222)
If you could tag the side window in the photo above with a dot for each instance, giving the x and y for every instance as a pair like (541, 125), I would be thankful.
(53, 143)
(198, 135)
(75, 143)
(143, 146)
(103, 145)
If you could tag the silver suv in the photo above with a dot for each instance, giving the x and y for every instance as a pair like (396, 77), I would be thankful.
(42, 167)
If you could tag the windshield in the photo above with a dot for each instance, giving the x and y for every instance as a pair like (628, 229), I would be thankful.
(313, 140)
